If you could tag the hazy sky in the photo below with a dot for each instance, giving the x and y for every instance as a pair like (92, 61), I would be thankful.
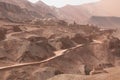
(60, 3)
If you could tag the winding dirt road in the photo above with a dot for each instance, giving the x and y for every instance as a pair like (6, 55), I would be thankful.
(57, 54)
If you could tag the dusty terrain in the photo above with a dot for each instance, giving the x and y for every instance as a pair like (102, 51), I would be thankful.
(113, 74)
(35, 44)
(36, 52)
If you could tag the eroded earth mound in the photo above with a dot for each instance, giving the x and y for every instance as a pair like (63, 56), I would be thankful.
(40, 53)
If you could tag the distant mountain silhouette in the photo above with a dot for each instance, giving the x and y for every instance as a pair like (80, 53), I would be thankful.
(91, 13)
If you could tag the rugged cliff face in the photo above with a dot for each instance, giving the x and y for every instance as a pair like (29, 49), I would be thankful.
(23, 10)
(14, 13)
(45, 10)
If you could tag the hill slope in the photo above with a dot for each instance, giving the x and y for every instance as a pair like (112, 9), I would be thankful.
(82, 13)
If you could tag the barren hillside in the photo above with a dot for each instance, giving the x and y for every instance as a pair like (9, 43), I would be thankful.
(37, 42)
(83, 13)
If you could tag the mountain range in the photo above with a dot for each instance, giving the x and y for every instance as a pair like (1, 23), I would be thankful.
(99, 13)
(41, 42)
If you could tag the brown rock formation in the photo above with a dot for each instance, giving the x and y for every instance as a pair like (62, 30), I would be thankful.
(25, 51)
(2, 34)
